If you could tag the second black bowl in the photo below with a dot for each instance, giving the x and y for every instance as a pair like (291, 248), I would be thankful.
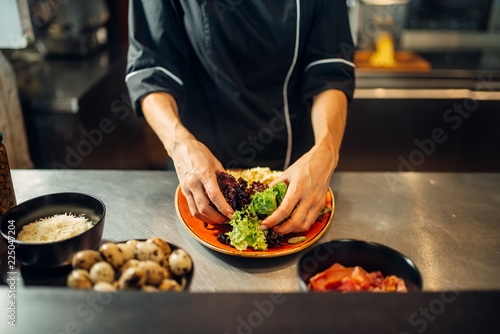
(350, 253)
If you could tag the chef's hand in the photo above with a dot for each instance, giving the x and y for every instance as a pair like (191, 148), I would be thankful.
(196, 168)
(308, 181)
(194, 163)
(309, 177)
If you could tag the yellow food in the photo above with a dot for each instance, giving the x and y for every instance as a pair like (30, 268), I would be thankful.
(263, 174)
(55, 228)
(384, 56)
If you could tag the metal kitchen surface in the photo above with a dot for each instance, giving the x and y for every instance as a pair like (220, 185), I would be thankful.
(447, 223)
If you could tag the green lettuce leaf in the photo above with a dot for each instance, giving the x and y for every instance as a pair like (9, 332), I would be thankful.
(246, 231)
(266, 202)
(246, 222)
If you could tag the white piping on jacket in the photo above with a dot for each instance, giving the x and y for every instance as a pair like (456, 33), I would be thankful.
(331, 60)
(159, 68)
(285, 89)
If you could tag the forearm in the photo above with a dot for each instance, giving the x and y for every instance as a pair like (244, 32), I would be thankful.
(161, 112)
(328, 116)
(195, 165)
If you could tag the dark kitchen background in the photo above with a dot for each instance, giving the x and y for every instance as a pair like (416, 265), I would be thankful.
(444, 117)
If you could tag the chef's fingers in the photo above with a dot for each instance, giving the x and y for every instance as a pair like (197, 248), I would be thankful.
(283, 211)
(303, 217)
(200, 208)
(282, 178)
(215, 195)
(193, 208)
(295, 222)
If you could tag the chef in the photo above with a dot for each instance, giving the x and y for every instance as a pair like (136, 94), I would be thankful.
(245, 83)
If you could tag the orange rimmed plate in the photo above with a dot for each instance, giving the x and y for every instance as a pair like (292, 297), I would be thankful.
(206, 234)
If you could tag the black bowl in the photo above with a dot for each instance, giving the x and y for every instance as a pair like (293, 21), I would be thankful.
(58, 253)
(350, 253)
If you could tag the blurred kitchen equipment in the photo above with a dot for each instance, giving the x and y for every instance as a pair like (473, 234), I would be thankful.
(70, 27)
(15, 25)
(450, 24)
(11, 118)
(380, 25)
(7, 196)
(380, 16)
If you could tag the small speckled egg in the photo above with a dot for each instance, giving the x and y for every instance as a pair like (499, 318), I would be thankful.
(162, 244)
(179, 262)
(169, 285)
(149, 288)
(112, 254)
(127, 250)
(85, 259)
(132, 278)
(129, 264)
(148, 251)
(79, 279)
(104, 287)
(102, 272)
(132, 242)
(155, 273)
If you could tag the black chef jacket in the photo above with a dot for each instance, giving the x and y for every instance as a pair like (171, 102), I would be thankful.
(243, 72)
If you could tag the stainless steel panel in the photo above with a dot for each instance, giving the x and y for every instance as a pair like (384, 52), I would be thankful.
(448, 224)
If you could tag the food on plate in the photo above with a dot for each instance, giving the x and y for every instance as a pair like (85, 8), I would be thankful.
(54, 228)
(252, 204)
(149, 269)
(257, 174)
(268, 200)
(296, 240)
(245, 223)
(340, 278)
(236, 192)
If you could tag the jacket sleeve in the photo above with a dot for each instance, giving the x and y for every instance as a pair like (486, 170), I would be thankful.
(157, 54)
(329, 51)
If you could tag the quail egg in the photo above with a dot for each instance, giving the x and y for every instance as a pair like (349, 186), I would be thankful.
(169, 285)
(85, 259)
(79, 279)
(129, 264)
(127, 250)
(112, 254)
(132, 278)
(149, 288)
(104, 287)
(155, 273)
(102, 272)
(132, 242)
(148, 251)
(179, 262)
(162, 244)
